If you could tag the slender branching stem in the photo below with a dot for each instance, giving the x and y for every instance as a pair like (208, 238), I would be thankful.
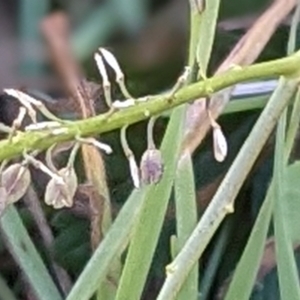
(40, 140)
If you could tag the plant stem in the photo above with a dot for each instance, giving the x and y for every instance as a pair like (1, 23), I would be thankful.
(40, 140)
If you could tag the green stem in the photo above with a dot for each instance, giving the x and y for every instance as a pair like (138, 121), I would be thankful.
(207, 34)
(43, 139)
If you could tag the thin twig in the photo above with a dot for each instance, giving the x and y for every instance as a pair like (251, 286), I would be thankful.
(43, 139)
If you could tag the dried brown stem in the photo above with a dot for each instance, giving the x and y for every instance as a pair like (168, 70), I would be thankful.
(56, 32)
(244, 53)
(55, 29)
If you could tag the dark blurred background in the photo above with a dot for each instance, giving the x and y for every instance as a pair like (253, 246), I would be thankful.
(149, 37)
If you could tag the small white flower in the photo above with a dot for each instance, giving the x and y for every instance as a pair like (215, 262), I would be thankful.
(22, 113)
(112, 61)
(123, 104)
(102, 69)
(39, 165)
(42, 125)
(21, 96)
(61, 194)
(92, 141)
(219, 144)
(26, 100)
(104, 147)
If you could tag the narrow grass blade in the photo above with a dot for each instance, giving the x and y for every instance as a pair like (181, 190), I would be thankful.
(291, 208)
(206, 33)
(150, 221)
(211, 267)
(6, 292)
(223, 201)
(293, 125)
(186, 219)
(244, 276)
(26, 255)
(286, 264)
(112, 245)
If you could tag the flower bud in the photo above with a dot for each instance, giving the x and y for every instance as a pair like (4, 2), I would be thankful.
(60, 194)
(112, 61)
(219, 144)
(151, 166)
(16, 179)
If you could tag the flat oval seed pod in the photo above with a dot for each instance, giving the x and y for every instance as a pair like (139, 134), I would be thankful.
(61, 195)
(151, 166)
(16, 180)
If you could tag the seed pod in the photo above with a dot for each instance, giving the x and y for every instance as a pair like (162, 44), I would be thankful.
(219, 144)
(59, 194)
(16, 179)
(151, 166)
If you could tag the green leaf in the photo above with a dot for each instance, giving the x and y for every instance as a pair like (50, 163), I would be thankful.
(206, 33)
(291, 198)
(6, 292)
(286, 264)
(26, 255)
(245, 273)
(112, 245)
(151, 219)
(186, 219)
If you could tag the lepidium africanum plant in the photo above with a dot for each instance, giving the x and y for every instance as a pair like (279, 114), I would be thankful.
(138, 225)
